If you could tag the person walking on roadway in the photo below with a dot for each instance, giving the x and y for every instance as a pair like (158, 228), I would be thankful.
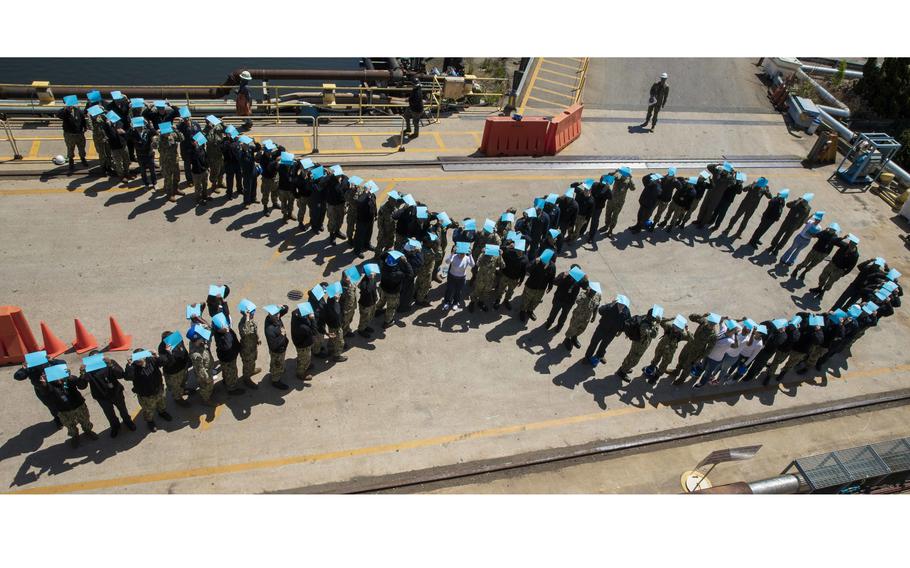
(657, 98)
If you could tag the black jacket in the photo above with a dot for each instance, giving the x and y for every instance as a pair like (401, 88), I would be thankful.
(73, 118)
(824, 241)
(331, 315)
(568, 212)
(392, 277)
(199, 161)
(175, 360)
(415, 99)
(541, 276)
(227, 345)
(336, 189)
(585, 203)
(600, 194)
(303, 330)
(274, 336)
(104, 384)
(515, 264)
(147, 380)
(774, 209)
(366, 209)
(685, 195)
(649, 195)
(369, 291)
(65, 395)
(566, 289)
(846, 256)
(613, 318)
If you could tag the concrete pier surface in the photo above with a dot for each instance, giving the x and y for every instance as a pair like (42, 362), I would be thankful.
(436, 390)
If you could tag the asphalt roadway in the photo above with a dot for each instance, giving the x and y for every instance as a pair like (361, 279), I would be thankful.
(437, 389)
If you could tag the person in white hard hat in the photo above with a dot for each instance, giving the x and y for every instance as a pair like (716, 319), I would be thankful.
(657, 98)
(244, 101)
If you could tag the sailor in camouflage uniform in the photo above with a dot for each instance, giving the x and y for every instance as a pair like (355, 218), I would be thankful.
(675, 332)
(643, 331)
(585, 312)
(696, 349)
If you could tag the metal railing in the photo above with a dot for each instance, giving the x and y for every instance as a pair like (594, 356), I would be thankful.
(581, 78)
(11, 139)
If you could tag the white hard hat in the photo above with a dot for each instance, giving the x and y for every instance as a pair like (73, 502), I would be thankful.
(245, 75)
(663, 75)
(59, 160)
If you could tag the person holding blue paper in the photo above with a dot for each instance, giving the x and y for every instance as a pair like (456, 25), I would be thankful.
(568, 215)
(214, 133)
(424, 273)
(871, 274)
(726, 338)
(317, 300)
(789, 335)
(175, 360)
(514, 269)
(640, 330)
(439, 225)
(675, 331)
(369, 297)
(103, 377)
(647, 202)
(268, 163)
(824, 244)
(144, 371)
(485, 236)
(772, 214)
(459, 261)
(395, 270)
(227, 348)
(200, 336)
(355, 191)
(188, 128)
(406, 223)
(749, 350)
(249, 343)
(795, 219)
(69, 402)
(314, 182)
(99, 141)
(413, 254)
(601, 192)
(249, 150)
(348, 300)
(115, 134)
(304, 333)
(568, 284)
(727, 198)
(585, 312)
(488, 266)
(334, 322)
(231, 153)
(754, 193)
(336, 186)
(621, 187)
(385, 222)
(199, 165)
(167, 141)
(33, 369)
(722, 176)
(364, 216)
(808, 348)
(841, 263)
(506, 222)
(143, 138)
(697, 348)
(541, 276)
(289, 177)
(585, 203)
(278, 344)
(613, 319)
(669, 185)
(74, 123)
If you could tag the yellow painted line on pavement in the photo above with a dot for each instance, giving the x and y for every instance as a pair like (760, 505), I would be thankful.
(477, 138)
(33, 151)
(524, 99)
(174, 475)
(557, 83)
(307, 145)
(439, 142)
(358, 145)
(539, 88)
(573, 77)
(567, 66)
(555, 104)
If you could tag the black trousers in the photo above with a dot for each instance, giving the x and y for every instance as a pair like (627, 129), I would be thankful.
(48, 403)
(850, 296)
(107, 406)
(249, 185)
(147, 170)
(561, 310)
(317, 215)
(232, 171)
(187, 166)
(599, 342)
(762, 228)
(595, 223)
(758, 364)
(363, 233)
(644, 213)
(741, 212)
(719, 214)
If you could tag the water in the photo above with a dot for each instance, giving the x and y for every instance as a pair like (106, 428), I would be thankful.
(153, 71)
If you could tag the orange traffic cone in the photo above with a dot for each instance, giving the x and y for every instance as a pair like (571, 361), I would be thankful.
(119, 340)
(25, 332)
(52, 343)
(85, 341)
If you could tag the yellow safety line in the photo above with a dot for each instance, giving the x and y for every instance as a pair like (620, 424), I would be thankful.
(477, 138)
(572, 67)
(556, 105)
(266, 135)
(33, 151)
(539, 88)
(307, 145)
(439, 142)
(524, 100)
(392, 448)
(357, 143)
(573, 77)
(561, 84)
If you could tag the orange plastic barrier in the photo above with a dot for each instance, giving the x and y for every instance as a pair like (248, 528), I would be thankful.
(504, 136)
(52, 343)
(119, 340)
(85, 341)
(16, 337)
(564, 129)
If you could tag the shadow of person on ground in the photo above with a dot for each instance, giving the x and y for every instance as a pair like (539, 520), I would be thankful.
(603, 388)
(28, 440)
(577, 373)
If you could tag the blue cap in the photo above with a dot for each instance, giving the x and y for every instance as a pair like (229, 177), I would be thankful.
(443, 219)
(193, 310)
(761, 182)
(160, 104)
(213, 120)
(422, 213)
(184, 112)
(870, 307)
(489, 226)
(728, 167)
(112, 116)
(305, 309)
(785, 193)
(286, 158)
(116, 95)
(318, 291)
(679, 321)
(353, 274)
(470, 225)
(547, 255)
(215, 290)
(371, 187)
(199, 331)
(507, 218)
(854, 311)
(165, 128)
(200, 139)
(713, 318)
(819, 215)
(245, 140)
(137, 122)
(220, 321)
(355, 180)
(779, 323)
(272, 309)
(657, 311)
(173, 339)
(70, 100)
(57, 372)
(853, 238)
(834, 227)
(520, 244)
(491, 250)
(554, 233)
(140, 355)
(334, 290)
(596, 287)
(531, 212)
(692, 180)
(93, 96)
(409, 200)
(137, 102)
(626, 171)
(95, 110)
(337, 170)
(671, 171)
(462, 247)
(551, 198)
(608, 179)
(620, 299)
(893, 274)
(35, 358)
(95, 362)
(807, 197)
(318, 173)
(741, 177)
(371, 269)
(816, 321)
(570, 192)
(307, 163)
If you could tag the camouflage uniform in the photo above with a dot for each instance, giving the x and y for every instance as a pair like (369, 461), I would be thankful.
(648, 329)
(102, 148)
(482, 239)
(440, 247)
(614, 205)
(388, 303)
(70, 418)
(229, 374)
(385, 226)
(350, 201)
(695, 349)
(335, 215)
(304, 357)
(575, 230)
(366, 316)
(348, 307)
(830, 275)
(776, 361)
(666, 347)
(531, 298)
(335, 340)
(270, 190)
(677, 214)
(167, 154)
(505, 288)
(151, 405)
(276, 366)
(813, 258)
(215, 136)
(424, 276)
(202, 366)
(485, 278)
(249, 345)
(200, 186)
(73, 141)
(585, 308)
(176, 383)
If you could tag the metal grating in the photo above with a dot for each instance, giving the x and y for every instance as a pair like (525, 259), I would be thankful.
(862, 463)
(895, 453)
(823, 471)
